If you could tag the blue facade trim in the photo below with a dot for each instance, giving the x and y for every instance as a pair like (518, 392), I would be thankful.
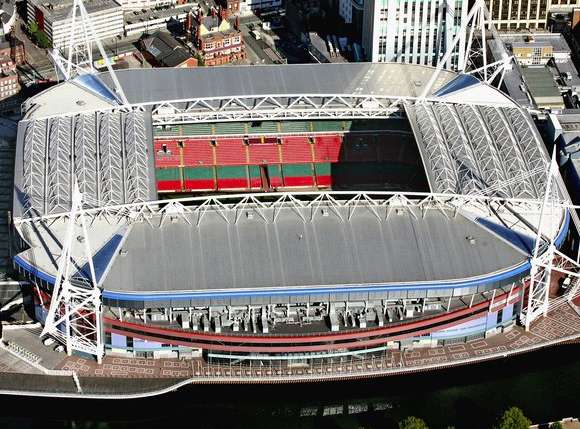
(102, 258)
(460, 82)
(96, 86)
(523, 242)
(33, 270)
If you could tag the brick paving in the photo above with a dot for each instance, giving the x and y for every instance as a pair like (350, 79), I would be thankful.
(561, 323)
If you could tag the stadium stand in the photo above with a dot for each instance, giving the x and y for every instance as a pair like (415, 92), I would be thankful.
(199, 179)
(167, 153)
(297, 149)
(197, 152)
(231, 151)
(254, 161)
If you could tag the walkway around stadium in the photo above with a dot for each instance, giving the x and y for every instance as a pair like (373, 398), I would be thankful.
(23, 370)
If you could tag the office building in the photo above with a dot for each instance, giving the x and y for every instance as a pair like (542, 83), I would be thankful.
(409, 31)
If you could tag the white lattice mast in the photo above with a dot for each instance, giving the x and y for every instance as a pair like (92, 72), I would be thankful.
(546, 258)
(78, 58)
(469, 44)
(74, 316)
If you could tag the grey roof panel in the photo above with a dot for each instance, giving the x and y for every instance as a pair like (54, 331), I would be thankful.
(291, 253)
(147, 85)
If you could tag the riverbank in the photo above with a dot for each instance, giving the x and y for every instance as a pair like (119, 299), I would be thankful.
(543, 384)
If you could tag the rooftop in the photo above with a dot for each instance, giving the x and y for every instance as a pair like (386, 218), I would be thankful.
(541, 83)
(556, 40)
(135, 16)
(327, 251)
(166, 51)
(61, 9)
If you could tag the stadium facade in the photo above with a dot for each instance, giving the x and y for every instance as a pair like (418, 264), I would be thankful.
(287, 213)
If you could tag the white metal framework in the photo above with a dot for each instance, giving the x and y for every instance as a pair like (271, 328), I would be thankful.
(276, 107)
(266, 206)
(107, 153)
(76, 301)
(78, 59)
(546, 258)
(479, 149)
(471, 39)
(74, 316)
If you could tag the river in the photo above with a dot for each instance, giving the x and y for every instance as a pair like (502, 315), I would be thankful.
(545, 384)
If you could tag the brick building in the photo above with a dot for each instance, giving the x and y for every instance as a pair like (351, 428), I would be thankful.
(162, 50)
(13, 49)
(217, 40)
(9, 85)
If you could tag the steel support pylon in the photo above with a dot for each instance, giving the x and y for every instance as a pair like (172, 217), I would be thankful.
(546, 258)
(470, 45)
(74, 316)
(78, 57)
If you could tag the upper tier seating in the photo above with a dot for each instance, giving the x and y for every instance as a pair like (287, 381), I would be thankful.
(167, 153)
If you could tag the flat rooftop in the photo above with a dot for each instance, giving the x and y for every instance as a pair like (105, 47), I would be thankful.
(61, 9)
(289, 252)
(555, 40)
(541, 83)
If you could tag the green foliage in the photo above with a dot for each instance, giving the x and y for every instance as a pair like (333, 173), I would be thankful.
(200, 60)
(38, 37)
(32, 27)
(514, 418)
(412, 423)
(556, 425)
(42, 40)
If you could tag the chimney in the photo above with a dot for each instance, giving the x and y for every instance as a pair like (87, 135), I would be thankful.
(237, 23)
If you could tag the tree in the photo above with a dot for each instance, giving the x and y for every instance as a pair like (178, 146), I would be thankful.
(200, 60)
(32, 27)
(412, 423)
(556, 425)
(42, 40)
(514, 418)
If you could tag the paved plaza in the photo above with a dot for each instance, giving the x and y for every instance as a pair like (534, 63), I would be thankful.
(562, 322)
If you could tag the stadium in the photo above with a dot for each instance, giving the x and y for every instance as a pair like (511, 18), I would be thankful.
(285, 213)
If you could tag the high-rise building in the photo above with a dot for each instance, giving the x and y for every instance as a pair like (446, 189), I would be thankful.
(514, 14)
(54, 18)
(352, 12)
(411, 31)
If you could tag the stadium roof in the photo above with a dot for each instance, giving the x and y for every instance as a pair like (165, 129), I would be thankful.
(473, 141)
(289, 247)
(470, 149)
(291, 253)
(157, 85)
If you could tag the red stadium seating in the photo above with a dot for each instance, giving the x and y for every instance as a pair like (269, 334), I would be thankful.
(232, 178)
(296, 149)
(276, 162)
(199, 178)
(327, 148)
(167, 153)
(298, 175)
(255, 177)
(323, 174)
(231, 151)
(264, 153)
(168, 179)
(197, 152)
